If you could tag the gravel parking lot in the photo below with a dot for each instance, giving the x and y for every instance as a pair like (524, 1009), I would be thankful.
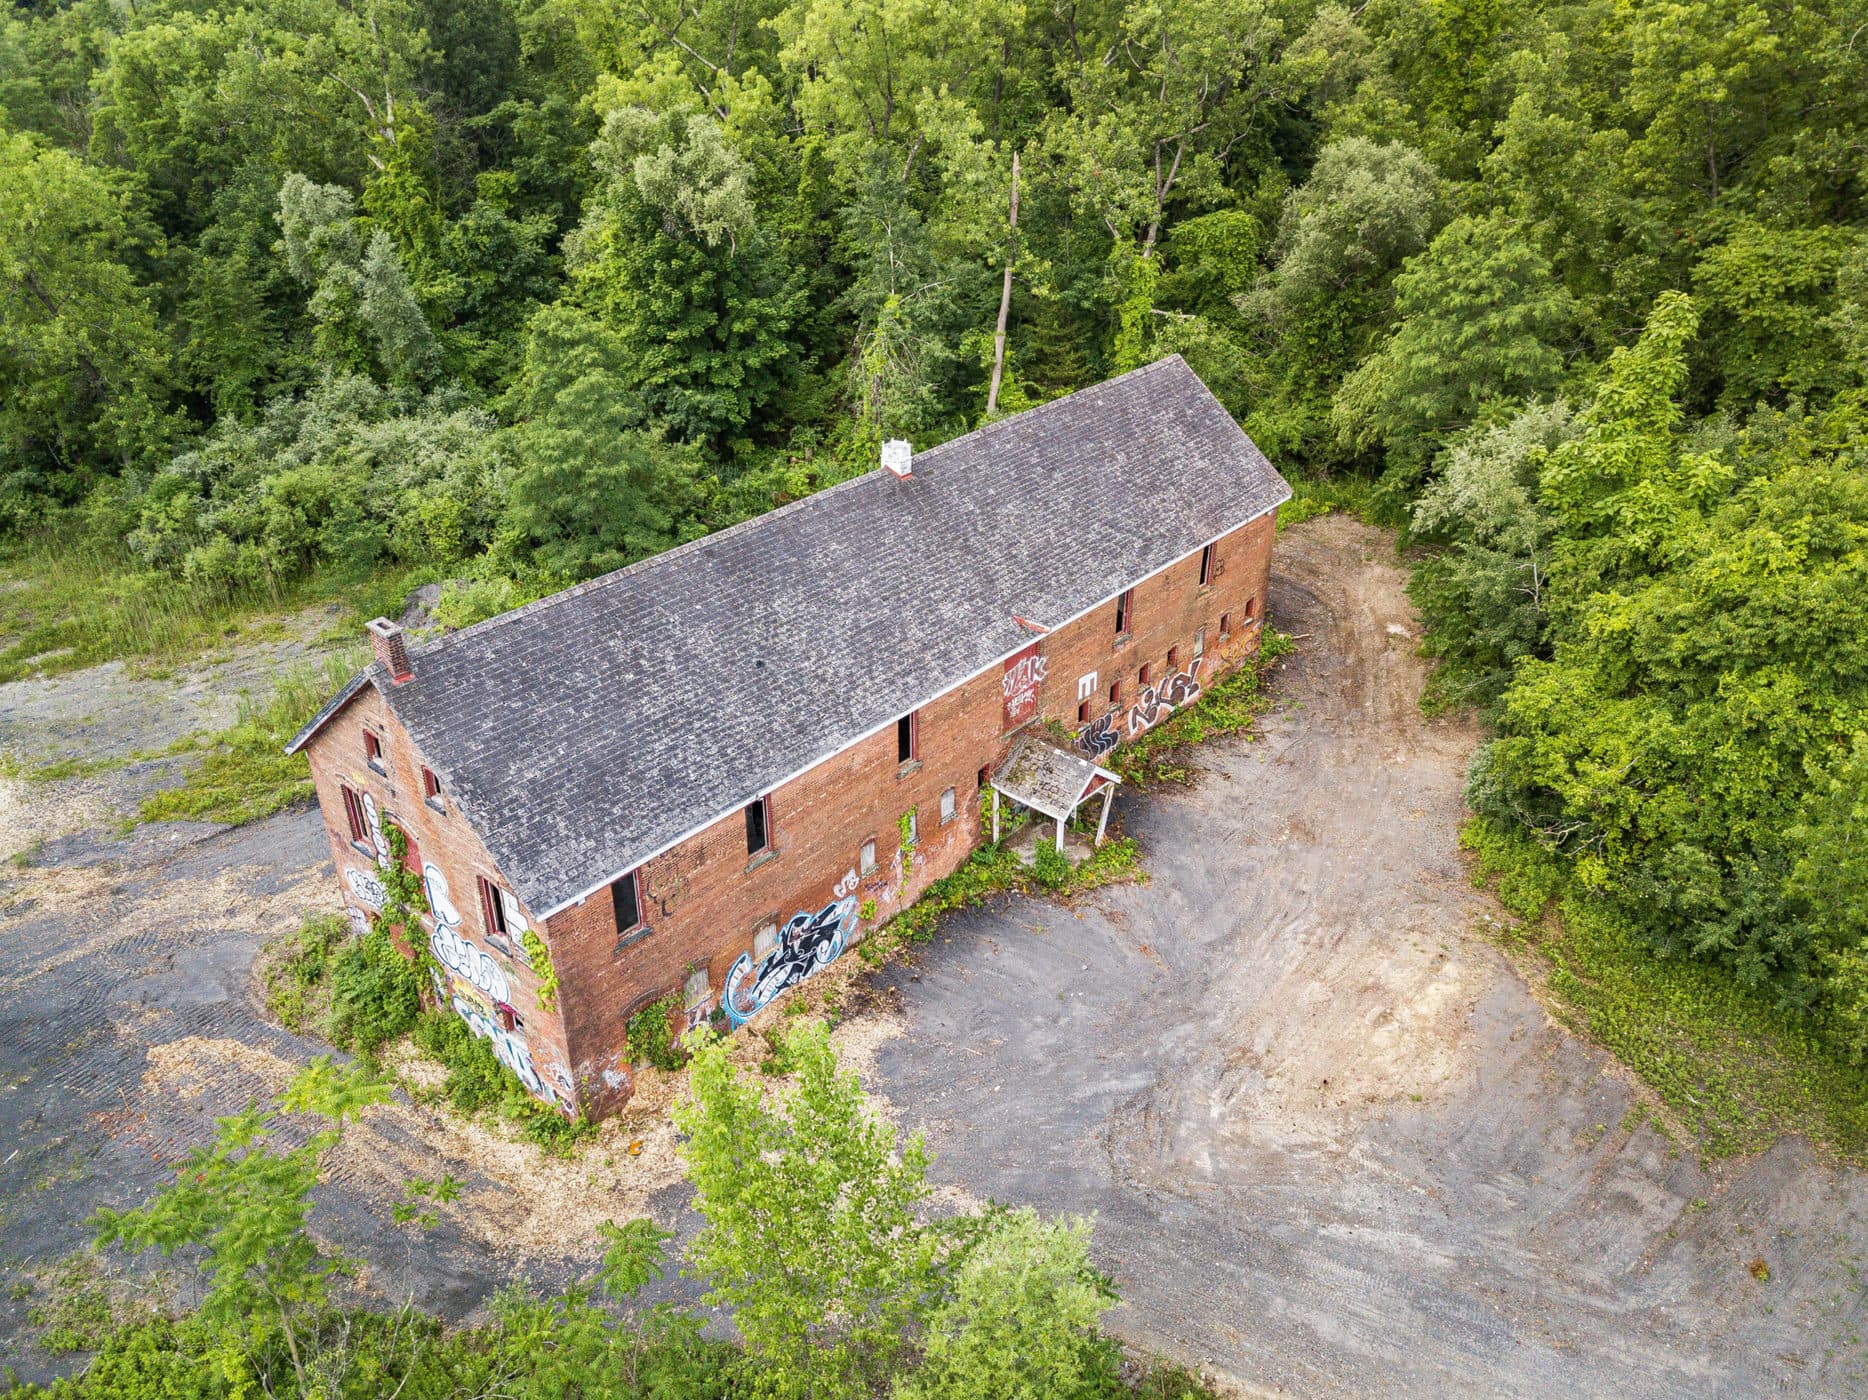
(1332, 1142)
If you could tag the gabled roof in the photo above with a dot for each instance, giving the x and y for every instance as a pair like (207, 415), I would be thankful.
(1048, 779)
(587, 732)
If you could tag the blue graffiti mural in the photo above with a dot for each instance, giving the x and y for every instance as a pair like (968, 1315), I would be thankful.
(806, 943)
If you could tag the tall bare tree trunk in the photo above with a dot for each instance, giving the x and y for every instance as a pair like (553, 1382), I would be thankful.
(1005, 297)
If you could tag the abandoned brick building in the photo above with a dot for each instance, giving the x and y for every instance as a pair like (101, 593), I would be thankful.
(710, 773)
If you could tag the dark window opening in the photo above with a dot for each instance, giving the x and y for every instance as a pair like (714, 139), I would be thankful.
(1083, 713)
(628, 906)
(985, 776)
(1115, 692)
(1251, 609)
(504, 922)
(1206, 566)
(353, 815)
(908, 737)
(758, 826)
(1146, 675)
(1173, 658)
(1124, 605)
(431, 787)
(1225, 624)
(373, 749)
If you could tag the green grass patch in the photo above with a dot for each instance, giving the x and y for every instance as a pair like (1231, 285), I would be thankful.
(1227, 707)
(67, 602)
(1313, 496)
(1733, 1066)
(75, 1306)
(245, 773)
(995, 870)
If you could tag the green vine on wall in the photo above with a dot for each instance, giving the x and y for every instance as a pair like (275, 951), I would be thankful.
(404, 898)
(540, 957)
(905, 826)
(651, 1034)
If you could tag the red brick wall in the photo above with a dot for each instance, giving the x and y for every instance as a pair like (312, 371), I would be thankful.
(455, 860)
(704, 902)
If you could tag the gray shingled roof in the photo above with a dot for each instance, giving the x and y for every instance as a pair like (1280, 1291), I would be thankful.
(587, 732)
(1046, 778)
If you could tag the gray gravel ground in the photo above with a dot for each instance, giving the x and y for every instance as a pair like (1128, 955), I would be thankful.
(1333, 1144)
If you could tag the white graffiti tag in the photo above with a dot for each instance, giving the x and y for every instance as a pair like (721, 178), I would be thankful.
(366, 887)
(846, 885)
(376, 827)
(478, 971)
(470, 963)
(1157, 702)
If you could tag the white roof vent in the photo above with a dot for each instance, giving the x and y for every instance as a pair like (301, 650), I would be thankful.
(898, 457)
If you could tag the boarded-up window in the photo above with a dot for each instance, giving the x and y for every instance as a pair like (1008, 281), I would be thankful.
(868, 857)
(946, 805)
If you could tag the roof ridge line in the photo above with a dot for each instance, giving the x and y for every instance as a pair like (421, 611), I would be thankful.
(592, 585)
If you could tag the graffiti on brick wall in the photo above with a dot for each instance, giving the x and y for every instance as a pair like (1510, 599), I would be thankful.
(808, 941)
(375, 824)
(1023, 675)
(670, 876)
(1157, 702)
(366, 887)
(471, 980)
(1099, 736)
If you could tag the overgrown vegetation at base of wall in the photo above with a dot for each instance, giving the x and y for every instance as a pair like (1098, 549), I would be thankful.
(1229, 706)
(995, 870)
(363, 995)
(887, 1299)
(1732, 1065)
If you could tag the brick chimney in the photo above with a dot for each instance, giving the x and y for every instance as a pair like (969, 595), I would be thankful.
(898, 457)
(391, 650)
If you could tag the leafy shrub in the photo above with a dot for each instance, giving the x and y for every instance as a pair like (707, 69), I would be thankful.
(376, 993)
(298, 982)
(651, 1035)
(477, 1081)
(1050, 867)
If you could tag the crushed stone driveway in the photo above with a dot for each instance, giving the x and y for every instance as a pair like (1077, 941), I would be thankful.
(1333, 1144)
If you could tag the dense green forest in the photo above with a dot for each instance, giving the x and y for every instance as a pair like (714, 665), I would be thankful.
(511, 292)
